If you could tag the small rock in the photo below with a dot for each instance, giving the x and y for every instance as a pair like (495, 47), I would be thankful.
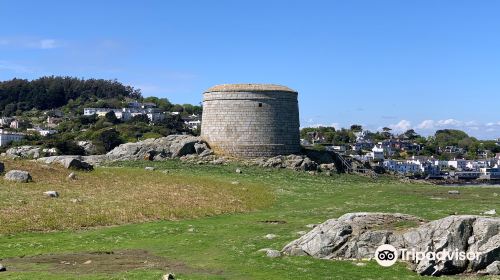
(200, 147)
(490, 212)
(493, 268)
(72, 176)
(88, 262)
(495, 194)
(150, 168)
(454, 192)
(206, 153)
(273, 254)
(270, 236)
(311, 225)
(75, 200)
(168, 276)
(238, 171)
(2, 268)
(264, 250)
(235, 183)
(360, 264)
(51, 194)
(191, 229)
(18, 176)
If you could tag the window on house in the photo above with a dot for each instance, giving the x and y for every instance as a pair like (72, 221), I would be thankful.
(260, 104)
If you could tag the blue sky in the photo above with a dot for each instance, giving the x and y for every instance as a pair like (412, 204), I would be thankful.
(422, 64)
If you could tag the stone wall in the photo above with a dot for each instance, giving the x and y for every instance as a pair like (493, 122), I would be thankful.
(251, 123)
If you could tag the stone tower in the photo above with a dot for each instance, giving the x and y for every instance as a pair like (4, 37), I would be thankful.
(251, 120)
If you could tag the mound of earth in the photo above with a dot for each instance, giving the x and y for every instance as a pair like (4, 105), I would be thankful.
(358, 235)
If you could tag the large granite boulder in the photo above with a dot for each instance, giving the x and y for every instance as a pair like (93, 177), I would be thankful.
(30, 152)
(18, 176)
(70, 162)
(24, 152)
(171, 146)
(76, 164)
(358, 235)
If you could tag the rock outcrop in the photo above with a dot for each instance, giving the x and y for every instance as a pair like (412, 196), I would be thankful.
(18, 176)
(192, 149)
(32, 152)
(88, 147)
(162, 148)
(171, 146)
(358, 235)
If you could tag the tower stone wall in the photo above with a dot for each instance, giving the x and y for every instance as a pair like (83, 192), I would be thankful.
(251, 120)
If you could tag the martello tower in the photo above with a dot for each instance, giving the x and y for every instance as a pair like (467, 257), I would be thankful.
(251, 120)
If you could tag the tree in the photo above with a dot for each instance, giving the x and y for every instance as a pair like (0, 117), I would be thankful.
(111, 117)
(109, 139)
(411, 134)
(356, 128)
(142, 118)
(386, 132)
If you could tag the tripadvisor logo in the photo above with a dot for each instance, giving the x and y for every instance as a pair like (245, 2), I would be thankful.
(386, 255)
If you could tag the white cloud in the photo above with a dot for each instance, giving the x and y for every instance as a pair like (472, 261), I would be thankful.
(401, 126)
(31, 43)
(427, 124)
(48, 44)
(450, 123)
(471, 127)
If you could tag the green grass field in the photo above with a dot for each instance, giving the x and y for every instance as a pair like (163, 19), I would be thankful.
(209, 242)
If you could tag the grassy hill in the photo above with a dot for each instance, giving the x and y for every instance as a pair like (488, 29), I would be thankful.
(196, 244)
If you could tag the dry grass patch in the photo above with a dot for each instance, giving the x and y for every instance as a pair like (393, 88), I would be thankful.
(112, 196)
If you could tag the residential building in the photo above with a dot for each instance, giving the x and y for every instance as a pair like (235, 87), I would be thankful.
(377, 153)
(42, 131)
(490, 173)
(442, 164)
(458, 164)
(15, 124)
(402, 166)
(7, 138)
(126, 114)
(362, 145)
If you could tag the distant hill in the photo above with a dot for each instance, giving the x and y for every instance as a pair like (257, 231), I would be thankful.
(18, 95)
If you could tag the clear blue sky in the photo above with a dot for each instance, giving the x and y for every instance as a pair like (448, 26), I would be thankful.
(423, 64)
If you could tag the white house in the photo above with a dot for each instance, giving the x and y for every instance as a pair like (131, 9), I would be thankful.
(458, 164)
(126, 114)
(377, 152)
(401, 166)
(7, 138)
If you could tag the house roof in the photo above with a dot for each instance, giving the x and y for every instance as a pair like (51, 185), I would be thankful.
(250, 88)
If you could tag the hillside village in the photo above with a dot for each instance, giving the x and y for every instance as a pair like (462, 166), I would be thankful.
(402, 155)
